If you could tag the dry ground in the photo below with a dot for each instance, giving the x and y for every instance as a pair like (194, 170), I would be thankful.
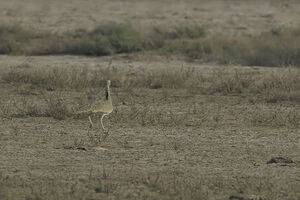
(163, 143)
(179, 130)
(218, 16)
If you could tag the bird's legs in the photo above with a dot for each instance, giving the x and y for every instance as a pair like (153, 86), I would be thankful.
(102, 122)
(91, 126)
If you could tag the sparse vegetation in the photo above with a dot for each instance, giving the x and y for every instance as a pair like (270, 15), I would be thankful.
(54, 85)
(105, 39)
(194, 117)
(58, 109)
(188, 113)
(278, 47)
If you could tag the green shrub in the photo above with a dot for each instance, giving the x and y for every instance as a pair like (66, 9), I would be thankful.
(97, 46)
(13, 38)
(122, 37)
(189, 32)
(278, 47)
(105, 39)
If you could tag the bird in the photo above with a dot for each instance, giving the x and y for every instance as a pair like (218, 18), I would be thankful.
(104, 107)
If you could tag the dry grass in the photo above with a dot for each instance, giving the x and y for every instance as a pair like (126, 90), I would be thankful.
(48, 94)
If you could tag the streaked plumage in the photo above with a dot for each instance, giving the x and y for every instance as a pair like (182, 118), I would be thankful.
(104, 107)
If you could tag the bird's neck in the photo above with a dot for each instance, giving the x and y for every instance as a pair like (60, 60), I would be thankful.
(107, 94)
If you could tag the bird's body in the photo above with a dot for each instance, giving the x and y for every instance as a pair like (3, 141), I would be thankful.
(104, 107)
(100, 107)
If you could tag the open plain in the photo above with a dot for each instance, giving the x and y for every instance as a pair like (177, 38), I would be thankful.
(180, 129)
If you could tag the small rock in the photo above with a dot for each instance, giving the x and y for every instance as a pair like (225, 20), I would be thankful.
(279, 159)
(233, 197)
(81, 148)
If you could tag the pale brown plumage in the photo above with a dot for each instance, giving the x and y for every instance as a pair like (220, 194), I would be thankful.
(104, 107)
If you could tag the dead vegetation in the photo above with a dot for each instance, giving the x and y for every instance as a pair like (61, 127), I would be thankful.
(47, 94)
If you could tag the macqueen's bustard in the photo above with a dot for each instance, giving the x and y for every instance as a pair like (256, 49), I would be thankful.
(105, 107)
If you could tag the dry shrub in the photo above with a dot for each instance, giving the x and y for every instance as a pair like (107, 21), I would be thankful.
(166, 78)
(227, 81)
(54, 78)
(280, 86)
(279, 117)
(62, 78)
(57, 108)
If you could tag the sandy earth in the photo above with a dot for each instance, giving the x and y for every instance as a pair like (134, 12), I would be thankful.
(216, 152)
(230, 16)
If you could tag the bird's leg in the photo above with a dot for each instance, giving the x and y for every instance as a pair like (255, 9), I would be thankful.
(102, 122)
(91, 126)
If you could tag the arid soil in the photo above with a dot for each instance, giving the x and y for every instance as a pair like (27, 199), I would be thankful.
(161, 144)
(164, 140)
(230, 16)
